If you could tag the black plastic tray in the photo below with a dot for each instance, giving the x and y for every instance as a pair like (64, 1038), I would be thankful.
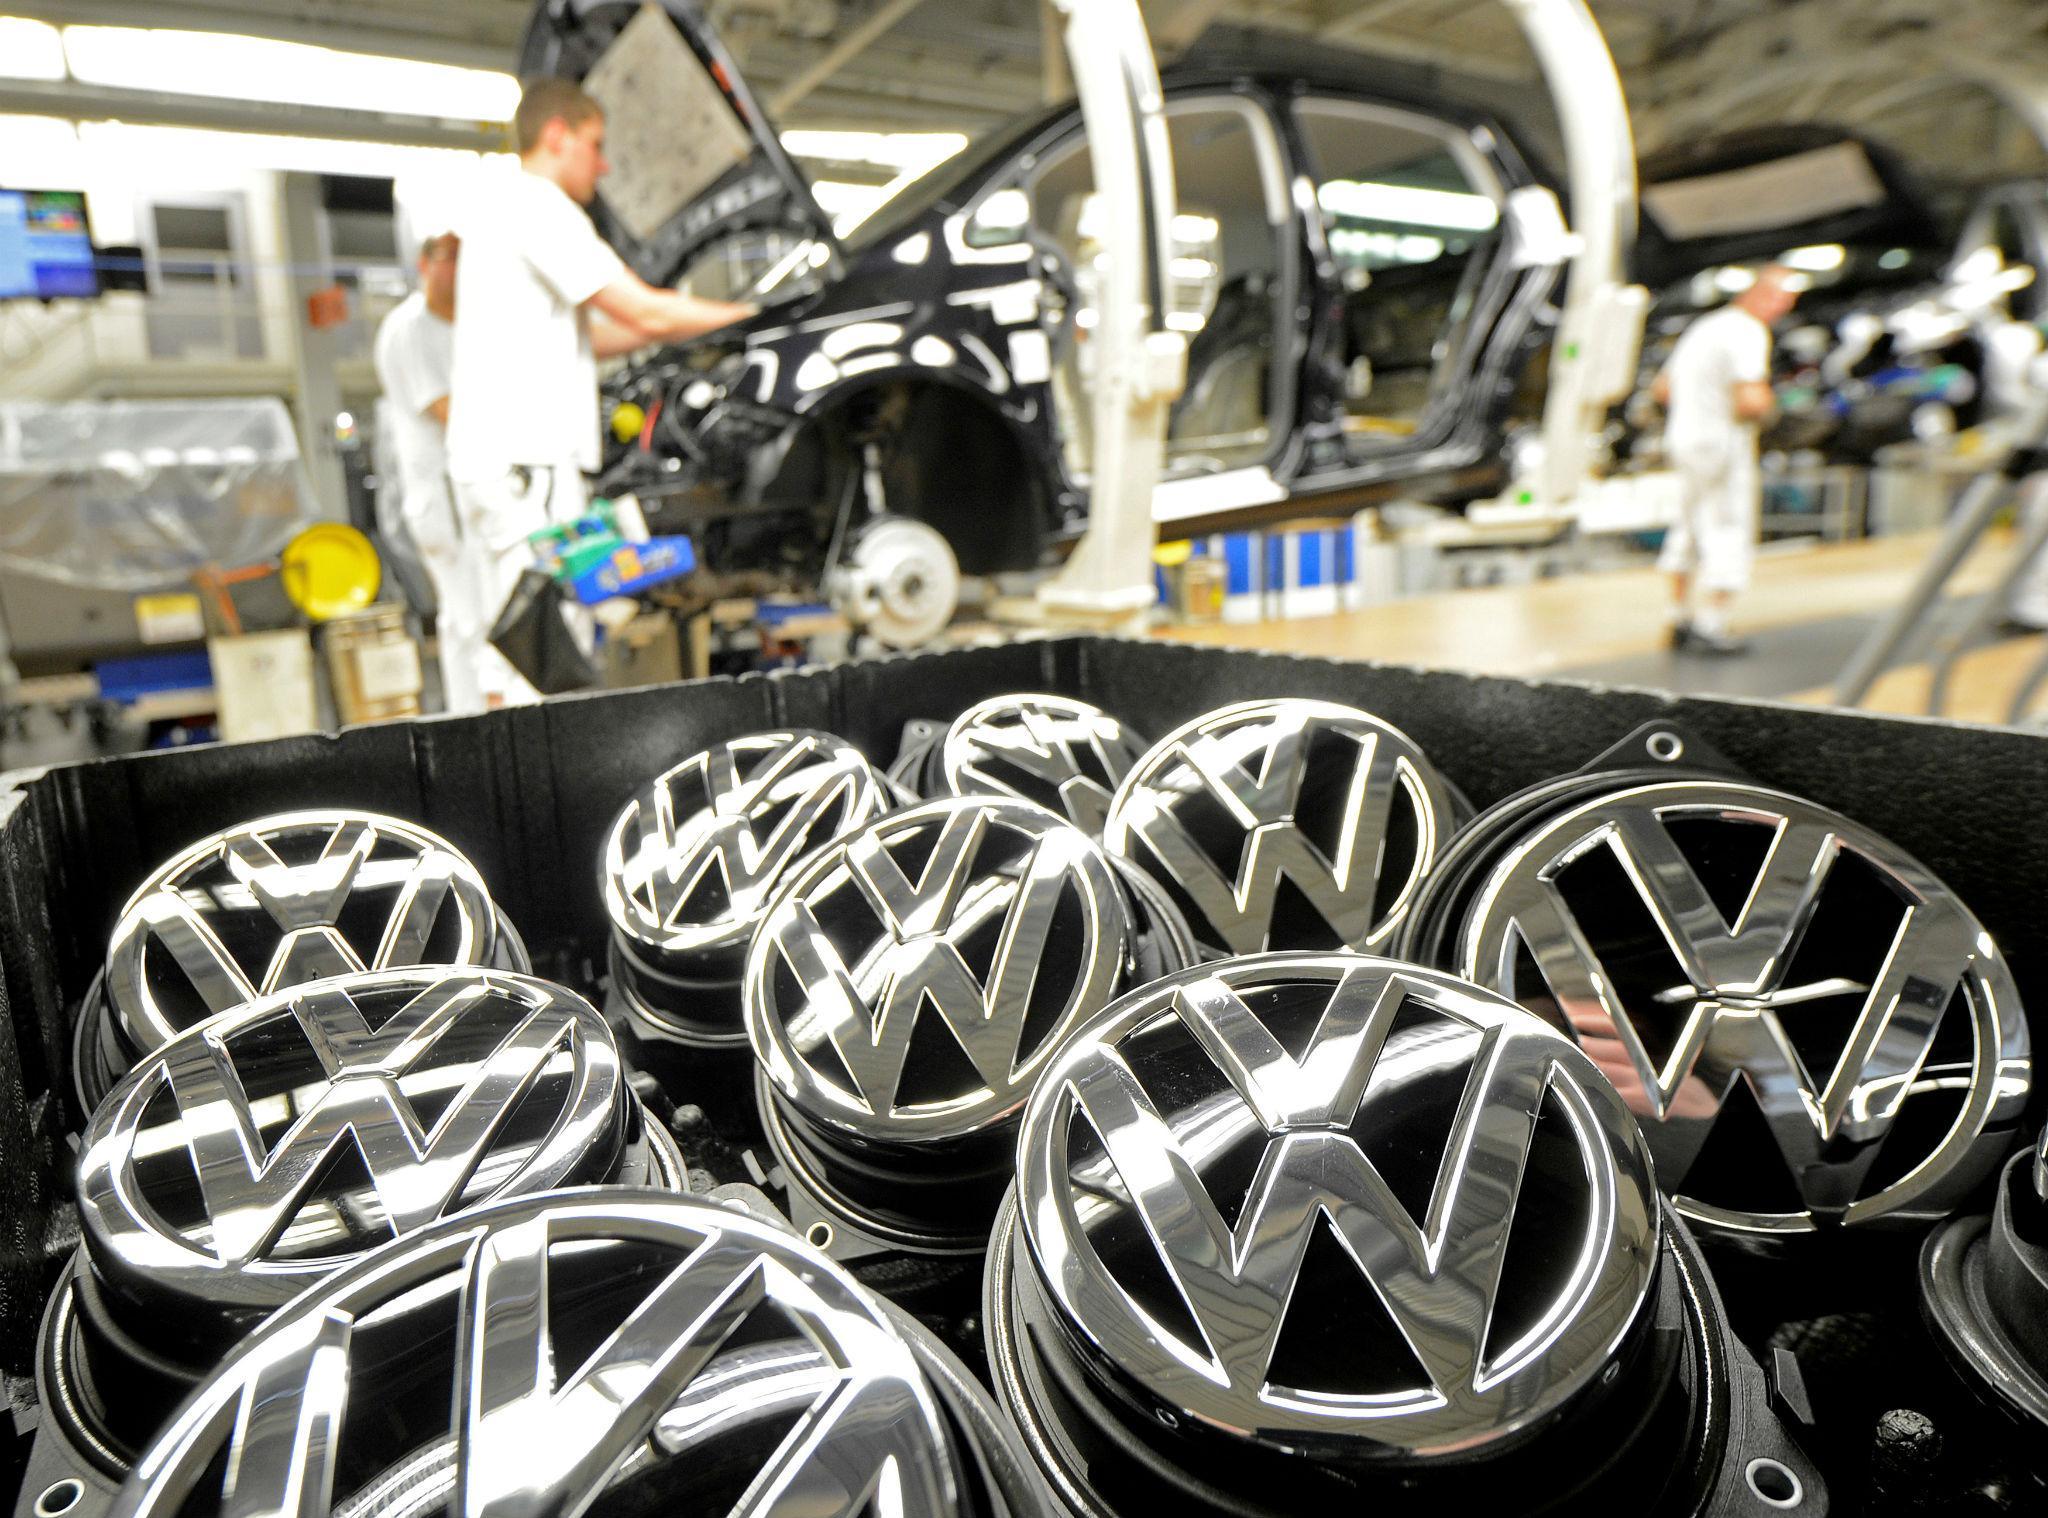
(528, 793)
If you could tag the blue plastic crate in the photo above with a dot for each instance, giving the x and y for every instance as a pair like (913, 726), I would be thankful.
(127, 680)
(634, 567)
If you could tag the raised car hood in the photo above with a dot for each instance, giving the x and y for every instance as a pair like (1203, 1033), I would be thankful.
(1756, 193)
(693, 155)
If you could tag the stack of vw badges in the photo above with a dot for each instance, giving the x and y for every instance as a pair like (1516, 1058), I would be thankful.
(1337, 1207)
(1273, 1188)
(905, 990)
(589, 1352)
(252, 1153)
(1064, 754)
(689, 867)
(909, 983)
(1814, 1031)
(275, 903)
(1285, 824)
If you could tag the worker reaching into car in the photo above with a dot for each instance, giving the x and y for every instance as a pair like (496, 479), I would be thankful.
(540, 298)
(1717, 390)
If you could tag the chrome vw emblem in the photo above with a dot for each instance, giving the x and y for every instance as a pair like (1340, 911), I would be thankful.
(1707, 941)
(1393, 1113)
(1063, 754)
(650, 1291)
(1285, 825)
(285, 900)
(223, 1166)
(990, 916)
(691, 863)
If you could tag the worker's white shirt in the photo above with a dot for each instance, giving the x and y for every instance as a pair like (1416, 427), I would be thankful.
(1721, 350)
(1714, 538)
(525, 378)
(415, 357)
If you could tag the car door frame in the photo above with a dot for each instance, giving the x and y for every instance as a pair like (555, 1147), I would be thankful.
(1258, 105)
(1469, 408)
(1308, 455)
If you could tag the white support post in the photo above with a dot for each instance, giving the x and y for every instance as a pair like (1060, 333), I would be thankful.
(1599, 335)
(1107, 582)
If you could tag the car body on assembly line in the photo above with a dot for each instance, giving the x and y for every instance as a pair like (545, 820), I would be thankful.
(1362, 317)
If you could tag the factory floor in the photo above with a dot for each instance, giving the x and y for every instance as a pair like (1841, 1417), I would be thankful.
(1810, 607)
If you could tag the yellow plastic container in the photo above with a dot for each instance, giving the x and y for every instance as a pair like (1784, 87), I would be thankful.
(330, 570)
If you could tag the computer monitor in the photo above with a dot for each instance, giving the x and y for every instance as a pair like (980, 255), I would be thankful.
(45, 246)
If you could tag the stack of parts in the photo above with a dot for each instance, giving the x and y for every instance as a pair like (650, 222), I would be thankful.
(1226, 1100)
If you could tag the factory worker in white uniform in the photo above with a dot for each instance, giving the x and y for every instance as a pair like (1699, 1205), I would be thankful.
(1717, 387)
(540, 298)
(415, 356)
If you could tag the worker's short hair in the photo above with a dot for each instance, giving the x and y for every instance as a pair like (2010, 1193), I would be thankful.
(439, 245)
(546, 100)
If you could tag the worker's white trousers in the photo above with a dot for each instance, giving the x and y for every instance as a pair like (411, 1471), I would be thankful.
(499, 511)
(1714, 538)
(428, 509)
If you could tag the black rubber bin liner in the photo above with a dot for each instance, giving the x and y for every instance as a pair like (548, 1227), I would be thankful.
(528, 793)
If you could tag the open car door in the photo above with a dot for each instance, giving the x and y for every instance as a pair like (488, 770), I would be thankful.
(694, 157)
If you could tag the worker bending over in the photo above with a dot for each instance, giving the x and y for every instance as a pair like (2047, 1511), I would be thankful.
(540, 298)
(1717, 389)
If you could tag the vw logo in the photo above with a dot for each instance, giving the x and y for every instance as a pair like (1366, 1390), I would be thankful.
(1285, 825)
(909, 982)
(253, 1154)
(1238, 1176)
(1063, 754)
(1713, 945)
(691, 862)
(519, 1360)
(289, 899)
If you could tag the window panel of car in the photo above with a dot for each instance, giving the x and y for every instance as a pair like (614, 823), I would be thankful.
(753, 264)
(1411, 215)
(1225, 273)
(1227, 276)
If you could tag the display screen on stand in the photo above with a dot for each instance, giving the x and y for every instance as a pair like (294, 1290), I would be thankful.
(45, 246)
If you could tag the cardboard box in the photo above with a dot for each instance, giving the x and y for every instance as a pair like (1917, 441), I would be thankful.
(265, 685)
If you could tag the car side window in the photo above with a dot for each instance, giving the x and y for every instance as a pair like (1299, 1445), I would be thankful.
(1002, 217)
(1053, 194)
(729, 267)
(1223, 271)
(1046, 192)
(1410, 214)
